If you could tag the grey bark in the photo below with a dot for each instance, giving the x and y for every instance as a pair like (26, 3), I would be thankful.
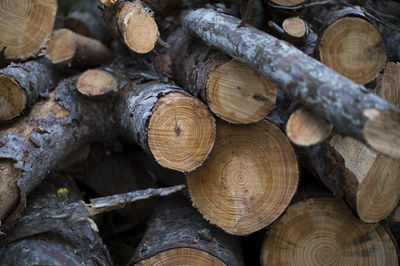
(176, 224)
(59, 244)
(319, 88)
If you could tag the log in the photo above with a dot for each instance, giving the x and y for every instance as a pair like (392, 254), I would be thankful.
(77, 51)
(177, 235)
(134, 25)
(248, 180)
(25, 27)
(148, 112)
(22, 84)
(72, 244)
(347, 105)
(232, 90)
(88, 21)
(352, 46)
(388, 87)
(323, 231)
(288, 2)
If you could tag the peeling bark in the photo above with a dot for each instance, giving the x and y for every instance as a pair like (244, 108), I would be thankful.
(350, 107)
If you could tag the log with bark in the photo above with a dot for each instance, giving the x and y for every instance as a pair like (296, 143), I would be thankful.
(132, 23)
(177, 235)
(177, 129)
(22, 84)
(350, 107)
(323, 231)
(232, 90)
(248, 180)
(25, 26)
(60, 244)
(68, 48)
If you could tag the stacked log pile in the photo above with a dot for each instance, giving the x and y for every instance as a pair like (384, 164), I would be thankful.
(276, 124)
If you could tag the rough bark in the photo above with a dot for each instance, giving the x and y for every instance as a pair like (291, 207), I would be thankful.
(56, 127)
(176, 226)
(61, 244)
(232, 90)
(350, 107)
(25, 26)
(22, 84)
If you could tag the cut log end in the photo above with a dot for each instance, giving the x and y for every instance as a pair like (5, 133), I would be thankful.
(137, 27)
(238, 94)
(382, 131)
(181, 132)
(305, 128)
(9, 194)
(389, 81)
(12, 98)
(96, 83)
(288, 2)
(25, 26)
(248, 180)
(61, 47)
(182, 256)
(323, 231)
(354, 48)
(294, 27)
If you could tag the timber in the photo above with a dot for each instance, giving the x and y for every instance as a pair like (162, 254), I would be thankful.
(248, 180)
(388, 85)
(370, 119)
(232, 90)
(25, 26)
(177, 235)
(74, 50)
(67, 120)
(22, 84)
(287, 2)
(323, 231)
(58, 244)
(134, 25)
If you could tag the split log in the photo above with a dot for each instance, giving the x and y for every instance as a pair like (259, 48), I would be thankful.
(232, 90)
(323, 231)
(65, 47)
(22, 84)
(134, 25)
(248, 180)
(67, 244)
(353, 111)
(147, 111)
(177, 235)
(25, 26)
(352, 46)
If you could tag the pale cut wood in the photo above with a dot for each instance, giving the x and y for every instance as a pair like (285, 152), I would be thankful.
(388, 87)
(96, 82)
(25, 26)
(347, 105)
(294, 26)
(354, 48)
(248, 180)
(304, 128)
(288, 2)
(68, 48)
(323, 231)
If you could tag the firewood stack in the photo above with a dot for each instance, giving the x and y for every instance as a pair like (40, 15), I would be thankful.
(276, 124)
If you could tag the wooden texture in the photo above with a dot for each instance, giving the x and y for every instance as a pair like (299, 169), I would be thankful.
(77, 51)
(25, 26)
(248, 180)
(353, 111)
(96, 82)
(177, 235)
(388, 86)
(323, 231)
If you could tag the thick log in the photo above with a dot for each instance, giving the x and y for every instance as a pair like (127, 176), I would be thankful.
(133, 24)
(323, 231)
(68, 48)
(232, 90)
(67, 120)
(64, 244)
(388, 84)
(350, 107)
(248, 180)
(25, 26)
(177, 235)
(22, 84)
